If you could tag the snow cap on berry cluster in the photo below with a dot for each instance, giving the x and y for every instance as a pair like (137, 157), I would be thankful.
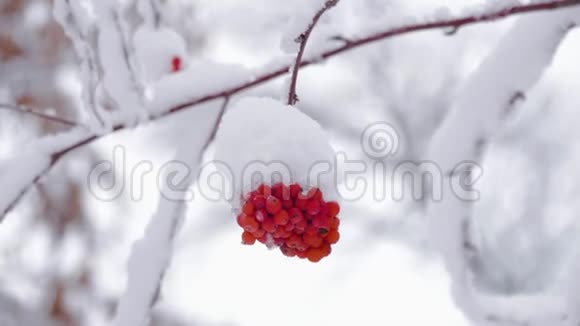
(278, 142)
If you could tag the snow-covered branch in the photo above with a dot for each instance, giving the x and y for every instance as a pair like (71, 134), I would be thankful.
(487, 98)
(151, 255)
(18, 175)
(243, 83)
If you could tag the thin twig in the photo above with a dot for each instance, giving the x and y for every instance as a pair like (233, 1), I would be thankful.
(355, 43)
(88, 59)
(216, 125)
(27, 110)
(303, 40)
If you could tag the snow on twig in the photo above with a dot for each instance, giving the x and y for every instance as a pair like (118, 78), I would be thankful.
(510, 70)
(70, 17)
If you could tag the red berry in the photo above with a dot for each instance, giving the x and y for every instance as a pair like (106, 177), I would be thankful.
(278, 241)
(288, 251)
(295, 189)
(334, 223)
(323, 209)
(333, 208)
(314, 194)
(300, 203)
(259, 233)
(248, 208)
(281, 233)
(315, 254)
(248, 238)
(321, 222)
(269, 225)
(273, 205)
(313, 241)
(311, 230)
(287, 203)
(295, 215)
(301, 254)
(333, 236)
(313, 207)
(289, 227)
(300, 227)
(175, 64)
(326, 249)
(294, 241)
(281, 191)
(249, 223)
(264, 190)
(281, 218)
(259, 201)
(239, 219)
(261, 215)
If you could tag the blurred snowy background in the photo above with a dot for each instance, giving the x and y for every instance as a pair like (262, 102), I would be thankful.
(63, 252)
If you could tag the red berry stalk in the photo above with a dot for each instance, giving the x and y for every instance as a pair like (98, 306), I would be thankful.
(301, 224)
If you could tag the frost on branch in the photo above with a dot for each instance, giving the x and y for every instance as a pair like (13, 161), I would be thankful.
(513, 68)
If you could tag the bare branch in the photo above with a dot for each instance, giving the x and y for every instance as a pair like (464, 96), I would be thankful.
(216, 124)
(30, 111)
(303, 40)
(353, 44)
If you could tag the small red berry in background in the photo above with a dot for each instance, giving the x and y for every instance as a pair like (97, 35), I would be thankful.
(302, 224)
(175, 64)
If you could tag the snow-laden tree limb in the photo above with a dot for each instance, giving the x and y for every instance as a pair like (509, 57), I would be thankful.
(150, 256)
(176, 102)
(488, 96)
(19, 174)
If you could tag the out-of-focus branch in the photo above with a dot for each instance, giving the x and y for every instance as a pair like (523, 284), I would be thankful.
(353, 44)
(30, 111)
(477, 113)
(70, 18)
(151, 255)
(302, 39)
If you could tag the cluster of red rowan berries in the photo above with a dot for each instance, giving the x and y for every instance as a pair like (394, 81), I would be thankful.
(300, 223)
